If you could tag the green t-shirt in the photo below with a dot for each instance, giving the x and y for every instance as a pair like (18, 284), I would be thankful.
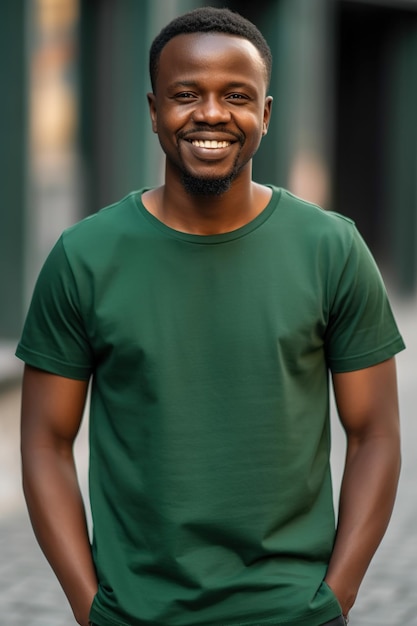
(209, 430)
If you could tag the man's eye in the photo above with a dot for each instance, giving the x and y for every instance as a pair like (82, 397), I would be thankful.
(237, 96)
(185, 95)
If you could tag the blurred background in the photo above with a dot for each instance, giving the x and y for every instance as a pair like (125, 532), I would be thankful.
(75, 136)
(75, 131)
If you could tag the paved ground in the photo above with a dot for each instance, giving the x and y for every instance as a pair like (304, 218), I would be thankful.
(30, 596)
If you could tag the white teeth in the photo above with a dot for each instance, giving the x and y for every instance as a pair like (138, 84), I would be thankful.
(210, 143)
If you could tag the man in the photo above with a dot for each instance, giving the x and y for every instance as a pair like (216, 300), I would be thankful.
(207, 313)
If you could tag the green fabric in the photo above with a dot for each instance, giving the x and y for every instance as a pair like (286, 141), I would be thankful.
(209, 471)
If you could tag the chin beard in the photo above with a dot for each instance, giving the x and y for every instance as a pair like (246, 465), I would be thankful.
(198, 186)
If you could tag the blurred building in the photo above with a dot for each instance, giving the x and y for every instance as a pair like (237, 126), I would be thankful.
(76, 134)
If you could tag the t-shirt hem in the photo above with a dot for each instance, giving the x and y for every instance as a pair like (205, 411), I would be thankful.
(52, 365)
(368, 359)
(99, 618)
(325, 614)
(316, 619)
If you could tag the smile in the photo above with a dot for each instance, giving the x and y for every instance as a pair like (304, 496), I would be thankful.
(210, 144)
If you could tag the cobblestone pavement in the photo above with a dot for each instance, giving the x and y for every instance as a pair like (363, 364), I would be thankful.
(30, 595)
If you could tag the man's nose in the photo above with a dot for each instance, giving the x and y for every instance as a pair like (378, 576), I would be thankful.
(211, 110)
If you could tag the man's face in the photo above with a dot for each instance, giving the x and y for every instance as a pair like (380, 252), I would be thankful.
(209, 108)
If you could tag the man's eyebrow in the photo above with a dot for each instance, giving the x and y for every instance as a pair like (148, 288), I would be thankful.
(183, 83)
(194, 83)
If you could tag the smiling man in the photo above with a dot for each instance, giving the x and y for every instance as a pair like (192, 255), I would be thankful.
(209, 130)
(208, 314)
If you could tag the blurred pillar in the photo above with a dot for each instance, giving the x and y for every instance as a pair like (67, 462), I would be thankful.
(304, 70)
(376, 139)
(12, 166)
(54, 178)
(401, 154)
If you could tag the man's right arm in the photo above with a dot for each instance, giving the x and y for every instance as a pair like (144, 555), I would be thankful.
(52, 409)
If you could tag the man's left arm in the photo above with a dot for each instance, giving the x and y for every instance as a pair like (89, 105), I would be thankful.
(367, 403)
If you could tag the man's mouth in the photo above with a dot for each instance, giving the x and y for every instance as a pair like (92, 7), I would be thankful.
(210, 143)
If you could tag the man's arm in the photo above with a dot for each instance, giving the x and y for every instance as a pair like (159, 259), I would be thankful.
(367, 403)
(52, 408)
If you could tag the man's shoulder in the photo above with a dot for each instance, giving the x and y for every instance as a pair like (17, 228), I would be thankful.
(314, 212)
(107, 218)
(312, 223)
(101, 230)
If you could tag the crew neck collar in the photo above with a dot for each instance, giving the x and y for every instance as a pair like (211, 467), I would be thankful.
(211, 239)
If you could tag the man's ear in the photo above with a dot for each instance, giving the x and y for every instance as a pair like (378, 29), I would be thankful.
(152, 111)
(267, 114)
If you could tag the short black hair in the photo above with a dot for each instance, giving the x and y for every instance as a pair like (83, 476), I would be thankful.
(209, 20)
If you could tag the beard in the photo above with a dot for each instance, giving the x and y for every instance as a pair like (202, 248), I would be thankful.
(205, 185)
(200, 186)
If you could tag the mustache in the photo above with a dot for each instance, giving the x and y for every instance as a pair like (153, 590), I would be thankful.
(215, 130)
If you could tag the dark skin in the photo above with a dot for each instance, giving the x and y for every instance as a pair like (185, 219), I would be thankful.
(209, 87)
(52, 409)
(367, 403)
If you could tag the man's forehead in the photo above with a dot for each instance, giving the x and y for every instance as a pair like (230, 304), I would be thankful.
(210, 41)
(199, 47)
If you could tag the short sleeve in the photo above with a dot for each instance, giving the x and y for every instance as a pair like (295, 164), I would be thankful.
(362, 330)
(54, 337)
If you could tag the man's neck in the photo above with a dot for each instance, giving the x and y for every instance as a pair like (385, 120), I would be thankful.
(207, 214)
